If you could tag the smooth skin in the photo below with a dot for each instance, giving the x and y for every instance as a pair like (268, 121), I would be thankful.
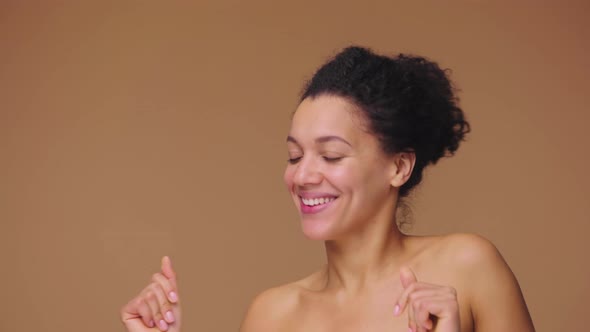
(376, 278)
(157, 306)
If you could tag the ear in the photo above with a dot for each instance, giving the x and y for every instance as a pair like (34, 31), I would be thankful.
(403, 164)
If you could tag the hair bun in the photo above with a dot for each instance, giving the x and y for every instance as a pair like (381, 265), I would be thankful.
(409, 101)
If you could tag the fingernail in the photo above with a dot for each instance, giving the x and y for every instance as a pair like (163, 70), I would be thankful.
(151, 323)
(169, 316)
(396, 310)
(173, 297)
(163, 325)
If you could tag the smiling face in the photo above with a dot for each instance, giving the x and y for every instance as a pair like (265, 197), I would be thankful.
(338, 176)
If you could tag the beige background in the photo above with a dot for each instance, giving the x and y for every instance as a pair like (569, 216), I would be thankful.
(130, 130)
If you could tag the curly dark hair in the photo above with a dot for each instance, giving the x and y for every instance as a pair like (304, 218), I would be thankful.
(409, 101)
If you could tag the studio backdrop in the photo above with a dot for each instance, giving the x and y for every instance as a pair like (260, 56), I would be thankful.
(132, 130)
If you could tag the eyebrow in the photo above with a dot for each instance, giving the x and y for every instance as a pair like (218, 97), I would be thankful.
(322, 139)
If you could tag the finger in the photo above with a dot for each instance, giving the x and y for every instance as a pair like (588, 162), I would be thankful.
(167, 268)
(161, 307)
(421, 300)
(165, 305)
(422, 314)
(428, 304)
(412, 319)
(416, 289)
(442, 308)
(152, 301)
(137, 308)
(404, 298)
(167, 286)
(146, 314)
(402, 301)
(417, 293)
(407, 276)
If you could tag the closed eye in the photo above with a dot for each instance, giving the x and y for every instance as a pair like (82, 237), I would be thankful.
(293, 160)
(332, 159)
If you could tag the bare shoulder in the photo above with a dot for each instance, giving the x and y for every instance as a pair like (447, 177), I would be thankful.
(470, 251)
(269, 309)
(457, 253)
(470, 256)
(272, 309)
(491, 288)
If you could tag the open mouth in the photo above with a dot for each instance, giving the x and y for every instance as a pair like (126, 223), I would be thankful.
(316, 204)
(316, 201)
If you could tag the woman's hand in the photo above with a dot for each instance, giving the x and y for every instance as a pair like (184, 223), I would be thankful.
(156, 308)
(430, 307)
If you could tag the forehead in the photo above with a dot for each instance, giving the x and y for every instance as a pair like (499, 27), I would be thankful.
(327, 115)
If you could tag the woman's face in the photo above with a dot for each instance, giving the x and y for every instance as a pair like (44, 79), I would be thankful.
(337, 174)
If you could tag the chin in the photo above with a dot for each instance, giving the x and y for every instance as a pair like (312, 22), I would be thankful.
(318, 230)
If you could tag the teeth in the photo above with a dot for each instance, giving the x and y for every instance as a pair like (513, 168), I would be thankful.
(316, 201)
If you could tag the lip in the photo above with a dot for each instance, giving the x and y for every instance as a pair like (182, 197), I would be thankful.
(309, 195)
(306, 209)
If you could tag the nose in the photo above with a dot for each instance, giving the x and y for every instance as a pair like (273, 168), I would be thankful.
(307, 172)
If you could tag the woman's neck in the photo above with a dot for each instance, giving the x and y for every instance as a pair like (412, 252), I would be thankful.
(365, 257)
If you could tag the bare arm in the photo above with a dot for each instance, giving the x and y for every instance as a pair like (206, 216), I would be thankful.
(497, 302)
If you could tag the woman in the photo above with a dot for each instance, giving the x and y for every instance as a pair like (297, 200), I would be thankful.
(366, 127)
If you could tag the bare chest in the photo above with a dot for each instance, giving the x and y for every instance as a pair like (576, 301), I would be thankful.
(373, 314)
(345, 321)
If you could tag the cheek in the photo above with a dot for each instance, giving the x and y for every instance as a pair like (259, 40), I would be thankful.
(288, 176)
(344, 178)
(364, 182)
